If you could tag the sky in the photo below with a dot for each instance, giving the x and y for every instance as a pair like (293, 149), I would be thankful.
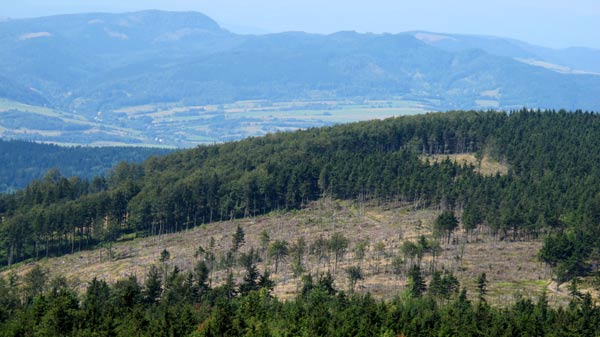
(551, 23)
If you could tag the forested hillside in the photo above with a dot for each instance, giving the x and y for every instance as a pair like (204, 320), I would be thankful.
(552, 186)
(23, 162)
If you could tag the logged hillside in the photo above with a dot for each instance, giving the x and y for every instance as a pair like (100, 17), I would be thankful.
(171, 302)
(552, 184)
(383, 240)
(25, 161)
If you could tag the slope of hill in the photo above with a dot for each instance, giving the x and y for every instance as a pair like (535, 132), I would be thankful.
(99, 65)
(440, 214)
(575, 59)
(378, 237)
(551, 186)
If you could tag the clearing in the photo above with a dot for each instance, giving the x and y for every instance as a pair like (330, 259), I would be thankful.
(511, 267)
(487, 166)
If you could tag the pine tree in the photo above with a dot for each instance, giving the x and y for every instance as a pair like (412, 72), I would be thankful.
(265, 281)
(238, 239)
(250, 281)
(482, 286)
(278, 251)
(152, 286)
(445, 223)
(338, 244)
(354, 275)
(416, 282)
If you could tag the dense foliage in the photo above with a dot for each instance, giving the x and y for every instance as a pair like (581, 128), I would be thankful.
(22, 162)
(553, 184)
(183, 304)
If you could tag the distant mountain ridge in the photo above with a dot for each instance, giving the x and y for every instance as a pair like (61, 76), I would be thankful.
(580, 59)
(86, 64)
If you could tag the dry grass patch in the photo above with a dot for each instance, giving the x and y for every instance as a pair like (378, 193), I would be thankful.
(487, 166)
(510, 266)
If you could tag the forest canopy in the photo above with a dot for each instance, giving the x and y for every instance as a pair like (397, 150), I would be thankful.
(184, 304)
(24, 161)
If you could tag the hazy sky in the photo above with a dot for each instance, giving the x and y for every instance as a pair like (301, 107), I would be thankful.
(553, 23)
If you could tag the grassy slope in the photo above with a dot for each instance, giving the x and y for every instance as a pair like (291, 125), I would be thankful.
(66, 119)
(510, 266)
(488, 166)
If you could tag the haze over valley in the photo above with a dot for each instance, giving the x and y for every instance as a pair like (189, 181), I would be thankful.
(179, 79)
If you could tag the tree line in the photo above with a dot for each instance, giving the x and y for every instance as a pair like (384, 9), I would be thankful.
(174, 303)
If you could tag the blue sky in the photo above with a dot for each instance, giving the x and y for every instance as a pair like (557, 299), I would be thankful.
(550, 23)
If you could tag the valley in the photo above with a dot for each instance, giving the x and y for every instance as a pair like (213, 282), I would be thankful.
(121, 79)
(175, 125)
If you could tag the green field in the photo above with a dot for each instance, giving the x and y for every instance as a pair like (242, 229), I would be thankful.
(177, 125)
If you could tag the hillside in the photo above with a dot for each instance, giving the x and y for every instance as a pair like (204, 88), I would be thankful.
(25, 161)
(377, 235)
(550, 188)
(466, 223)
(179, 79)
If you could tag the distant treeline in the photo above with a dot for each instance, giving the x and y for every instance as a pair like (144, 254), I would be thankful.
(24, 161)
(553, 184)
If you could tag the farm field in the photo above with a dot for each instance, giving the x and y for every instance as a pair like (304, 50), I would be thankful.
(177, 125)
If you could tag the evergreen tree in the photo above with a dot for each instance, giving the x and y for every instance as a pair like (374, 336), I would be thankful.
(482, 286)
(338, 244)
(297, 252)
(416, 284)
(265, 281)
(96, 305)
(250, 281)
(152, 286)
(445, 224)
(34, 283)
(278, 251)
(238, 239)
(354, 275)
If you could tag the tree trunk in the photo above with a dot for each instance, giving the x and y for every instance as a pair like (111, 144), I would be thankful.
(11, 254)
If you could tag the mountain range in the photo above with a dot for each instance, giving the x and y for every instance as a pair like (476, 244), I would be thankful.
(95, 68)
